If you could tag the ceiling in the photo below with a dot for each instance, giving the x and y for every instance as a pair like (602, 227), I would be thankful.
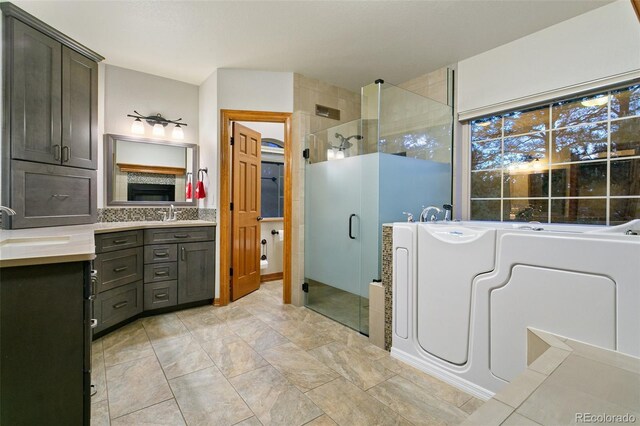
(346, 43)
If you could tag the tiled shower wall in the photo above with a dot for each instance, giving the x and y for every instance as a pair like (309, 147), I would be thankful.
(307, 93)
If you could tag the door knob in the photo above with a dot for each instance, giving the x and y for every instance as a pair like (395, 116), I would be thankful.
(260, 218)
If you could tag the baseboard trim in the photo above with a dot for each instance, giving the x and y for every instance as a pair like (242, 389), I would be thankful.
(271, 277)
(456, 381)
(216, 301)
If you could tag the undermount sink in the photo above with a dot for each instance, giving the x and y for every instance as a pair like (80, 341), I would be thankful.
(34, 241)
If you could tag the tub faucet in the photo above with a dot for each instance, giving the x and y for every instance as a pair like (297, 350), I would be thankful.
(7, 210)
(409, 216)
(448, 208)
(424, 216)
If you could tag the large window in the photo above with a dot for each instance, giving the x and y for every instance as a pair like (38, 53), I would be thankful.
(573, 161)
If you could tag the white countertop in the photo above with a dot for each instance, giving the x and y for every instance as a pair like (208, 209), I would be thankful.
(39, 246)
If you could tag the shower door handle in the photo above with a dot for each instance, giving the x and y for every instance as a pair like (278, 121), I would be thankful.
(351, 226)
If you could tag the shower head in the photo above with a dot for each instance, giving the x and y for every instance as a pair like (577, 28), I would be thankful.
(344, 142)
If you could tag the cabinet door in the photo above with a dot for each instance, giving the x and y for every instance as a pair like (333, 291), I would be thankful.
(35, 95)
(79, 110)
(48, 195)
(196, 269)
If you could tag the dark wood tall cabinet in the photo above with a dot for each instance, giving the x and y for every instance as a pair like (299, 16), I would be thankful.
(45, 343)
(50, 106)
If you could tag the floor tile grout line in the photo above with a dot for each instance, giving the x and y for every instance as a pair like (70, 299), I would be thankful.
(165, 375)
(144, 408)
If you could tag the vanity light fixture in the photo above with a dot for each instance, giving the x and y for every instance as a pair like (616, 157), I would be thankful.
(137, 127)
(159, 123)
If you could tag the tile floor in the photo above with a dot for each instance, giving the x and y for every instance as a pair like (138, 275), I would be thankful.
(259, 362)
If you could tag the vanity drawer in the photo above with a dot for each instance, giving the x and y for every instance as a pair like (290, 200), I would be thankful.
(118, 268)
(160, 295)
(118, 240)
(48, 195)
(118, 304)
(161, 253)
(179, 235)
(155, 272)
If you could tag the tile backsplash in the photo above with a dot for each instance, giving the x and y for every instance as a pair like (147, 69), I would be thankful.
(207, 214)
(134, 214)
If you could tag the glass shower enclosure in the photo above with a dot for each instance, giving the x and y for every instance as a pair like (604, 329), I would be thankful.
(359, 175)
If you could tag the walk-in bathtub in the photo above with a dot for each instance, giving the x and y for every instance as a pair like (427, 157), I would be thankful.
(464, 294)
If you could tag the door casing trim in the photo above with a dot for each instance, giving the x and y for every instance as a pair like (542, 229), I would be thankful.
(224, 218)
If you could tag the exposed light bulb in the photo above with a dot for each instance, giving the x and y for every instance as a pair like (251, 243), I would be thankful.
(177, 132)
(537, 164)
(331, 154)
(595, 101)
(339, 155)
(137, 127)
(158, 129)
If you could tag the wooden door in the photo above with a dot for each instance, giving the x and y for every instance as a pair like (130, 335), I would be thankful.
(79, 110)
(245, 217)
(35, 95)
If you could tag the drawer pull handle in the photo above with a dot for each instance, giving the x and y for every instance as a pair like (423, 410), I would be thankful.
(120, 305)
(56, 152)
(180, 235)
(120, 241)
(94, 323)
(161, 273)
(62, 196)
(66, 154)
(183, 253)
(161, 253)
(161, 295)
(120, 269)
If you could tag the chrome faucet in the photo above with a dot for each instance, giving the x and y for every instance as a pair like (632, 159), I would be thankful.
(448, 209)
(7, 210)
(424, 216)
(171, 215)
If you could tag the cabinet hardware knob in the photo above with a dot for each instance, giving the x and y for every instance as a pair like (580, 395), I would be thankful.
(56, 152)
(183, 254)
(161, 253)
(60, 196)
(94, 323)
(180, 235)
(161, 295)
(120, 269)
(119, 241)
(161, 273)
(66, 154)
(120, 305)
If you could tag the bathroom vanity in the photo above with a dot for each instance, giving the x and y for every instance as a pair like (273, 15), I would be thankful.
(50, 300)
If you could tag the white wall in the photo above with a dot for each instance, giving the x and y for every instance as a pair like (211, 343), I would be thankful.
(122, 90)
(275, 247)
(209, 116)
(599, 44)
(255, 90)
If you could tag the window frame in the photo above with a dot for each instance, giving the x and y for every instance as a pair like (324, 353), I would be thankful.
(467, 147)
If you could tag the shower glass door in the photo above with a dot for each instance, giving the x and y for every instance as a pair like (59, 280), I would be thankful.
(359, 175)
(333, 218)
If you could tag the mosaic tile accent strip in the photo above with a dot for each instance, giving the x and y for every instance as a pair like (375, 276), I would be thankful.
(207, 214)
(135, 214)
(155, 178)
(387, 269)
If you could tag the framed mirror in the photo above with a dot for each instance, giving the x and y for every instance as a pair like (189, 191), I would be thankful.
(150, 172)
